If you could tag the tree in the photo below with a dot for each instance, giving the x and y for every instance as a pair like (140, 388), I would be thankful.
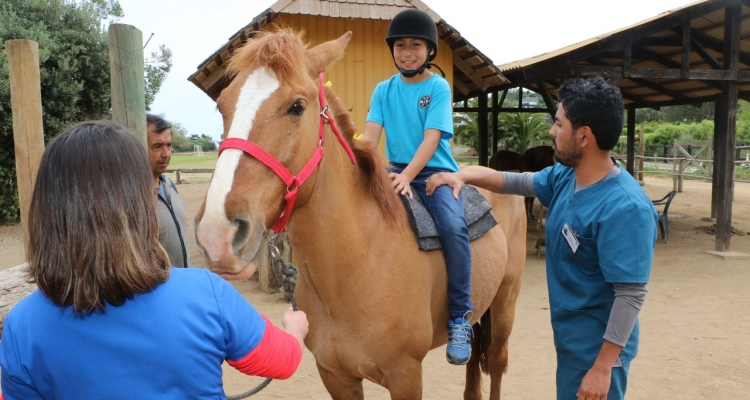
(74, 69)
(466, 127)
(523, 130)
(180, 141)
(156, 70)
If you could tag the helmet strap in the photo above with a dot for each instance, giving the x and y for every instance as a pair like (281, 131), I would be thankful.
(410, 73)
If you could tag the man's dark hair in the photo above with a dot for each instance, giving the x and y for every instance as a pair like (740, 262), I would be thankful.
(596, 104)
(93, 232)
(160, 124)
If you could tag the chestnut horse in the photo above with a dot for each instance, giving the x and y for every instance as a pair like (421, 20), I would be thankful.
(376, 304)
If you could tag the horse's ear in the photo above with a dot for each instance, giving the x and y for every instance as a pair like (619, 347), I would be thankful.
(320, 57)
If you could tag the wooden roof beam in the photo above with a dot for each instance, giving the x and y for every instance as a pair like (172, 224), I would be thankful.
(710, 76)
(547, 97)
(467, 70)
(659, 41)
(699, 49)
(666, 62)
(614, 41)
(720, 24)
(717, 46)
(458, 84)
(643, 82)
(659, 89)
(685, 65)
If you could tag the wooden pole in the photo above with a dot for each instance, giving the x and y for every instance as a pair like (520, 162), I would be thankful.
(482, 125)
(126, 67)
(724, 170)
(28, 131)
(642, 153)
(630, 145)
(495, 123)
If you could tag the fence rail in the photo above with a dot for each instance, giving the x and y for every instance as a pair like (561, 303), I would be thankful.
(178, 171)
(679, 167)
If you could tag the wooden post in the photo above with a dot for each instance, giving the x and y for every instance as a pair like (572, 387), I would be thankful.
(724, 151)
(126, 67)
(28, 131)
(482, 125)
(496, 123)
(641, 152)
(630, 146)
(675, 171)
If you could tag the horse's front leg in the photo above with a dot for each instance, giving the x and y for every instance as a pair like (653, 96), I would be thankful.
(342, 387)
(404, 381)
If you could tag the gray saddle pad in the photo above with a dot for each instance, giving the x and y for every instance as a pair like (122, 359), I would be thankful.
(476, 210)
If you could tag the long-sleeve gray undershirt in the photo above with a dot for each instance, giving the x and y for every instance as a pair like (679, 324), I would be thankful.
(629, 297)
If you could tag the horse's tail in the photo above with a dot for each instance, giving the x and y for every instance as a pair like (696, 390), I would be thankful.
(483, 333)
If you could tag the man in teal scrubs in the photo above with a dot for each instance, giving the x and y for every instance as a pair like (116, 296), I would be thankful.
(600, 238)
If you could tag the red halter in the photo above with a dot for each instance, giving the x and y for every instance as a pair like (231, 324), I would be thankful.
(292, 182)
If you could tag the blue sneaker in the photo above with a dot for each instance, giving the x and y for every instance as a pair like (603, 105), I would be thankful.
(459, 341)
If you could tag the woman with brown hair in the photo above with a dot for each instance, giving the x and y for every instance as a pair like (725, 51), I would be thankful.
(110, 319)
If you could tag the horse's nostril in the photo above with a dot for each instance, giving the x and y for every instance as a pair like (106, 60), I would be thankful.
(240, 236)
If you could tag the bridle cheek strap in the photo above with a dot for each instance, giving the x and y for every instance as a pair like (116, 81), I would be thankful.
(292, 182)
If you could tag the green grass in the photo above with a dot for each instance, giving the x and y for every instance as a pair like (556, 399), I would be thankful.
(188, 160)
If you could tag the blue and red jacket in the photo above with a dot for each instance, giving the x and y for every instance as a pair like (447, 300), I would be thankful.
(169, 343)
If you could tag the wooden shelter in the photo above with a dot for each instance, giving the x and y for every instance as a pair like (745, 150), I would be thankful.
(368, 60)
(690, 55)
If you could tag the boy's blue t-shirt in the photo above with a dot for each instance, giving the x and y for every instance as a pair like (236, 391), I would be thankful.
(406, 110)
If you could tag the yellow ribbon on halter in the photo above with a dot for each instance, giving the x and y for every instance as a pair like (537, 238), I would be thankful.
(356, 135)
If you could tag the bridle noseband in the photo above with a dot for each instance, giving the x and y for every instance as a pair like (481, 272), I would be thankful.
(292, 182)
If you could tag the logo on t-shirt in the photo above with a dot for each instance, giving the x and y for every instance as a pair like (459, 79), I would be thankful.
(424, 102)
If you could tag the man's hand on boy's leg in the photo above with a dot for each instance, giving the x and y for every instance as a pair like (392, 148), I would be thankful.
(451, 179)
(401, 183)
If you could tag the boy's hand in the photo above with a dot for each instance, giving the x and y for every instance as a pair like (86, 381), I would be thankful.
(452, 179)
(401, 184)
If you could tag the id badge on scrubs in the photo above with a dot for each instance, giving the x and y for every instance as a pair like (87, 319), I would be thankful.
(570, 237)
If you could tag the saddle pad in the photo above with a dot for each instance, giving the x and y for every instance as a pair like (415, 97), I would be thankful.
(476, 210)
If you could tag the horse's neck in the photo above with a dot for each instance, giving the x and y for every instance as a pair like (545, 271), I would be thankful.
(337, 221)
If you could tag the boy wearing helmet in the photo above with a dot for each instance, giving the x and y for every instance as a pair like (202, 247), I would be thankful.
(415, 108)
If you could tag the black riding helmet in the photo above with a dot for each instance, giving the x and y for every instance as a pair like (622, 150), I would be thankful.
(413, 23)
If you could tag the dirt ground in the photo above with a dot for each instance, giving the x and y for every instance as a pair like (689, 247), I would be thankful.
(692, 324)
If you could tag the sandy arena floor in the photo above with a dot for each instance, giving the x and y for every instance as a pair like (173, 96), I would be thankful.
(692, 324)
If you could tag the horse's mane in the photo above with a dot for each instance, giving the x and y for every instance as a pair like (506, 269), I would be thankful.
(282, 50)
(368, 160)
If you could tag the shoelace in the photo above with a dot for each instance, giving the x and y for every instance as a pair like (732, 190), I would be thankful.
(460, 335)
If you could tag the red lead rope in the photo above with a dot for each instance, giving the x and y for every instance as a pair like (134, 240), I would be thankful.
(292, 182)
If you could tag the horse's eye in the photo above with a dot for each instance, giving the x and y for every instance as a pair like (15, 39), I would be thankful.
(297, 108)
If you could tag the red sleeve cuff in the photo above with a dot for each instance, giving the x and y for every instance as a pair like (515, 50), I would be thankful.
(277, 355)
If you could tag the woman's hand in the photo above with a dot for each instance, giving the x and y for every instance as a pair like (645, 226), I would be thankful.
(295, 323)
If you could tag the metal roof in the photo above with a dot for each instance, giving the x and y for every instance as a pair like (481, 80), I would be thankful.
(473, 72)
(645, 60)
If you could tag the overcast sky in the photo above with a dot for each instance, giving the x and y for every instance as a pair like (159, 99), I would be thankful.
(503, 30)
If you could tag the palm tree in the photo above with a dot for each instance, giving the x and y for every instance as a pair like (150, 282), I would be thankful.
(523, 130)
(466, 127)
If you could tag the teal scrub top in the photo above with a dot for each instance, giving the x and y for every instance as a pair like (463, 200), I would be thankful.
(615, 227)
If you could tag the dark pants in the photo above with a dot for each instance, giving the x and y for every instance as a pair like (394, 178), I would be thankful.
(448, 214)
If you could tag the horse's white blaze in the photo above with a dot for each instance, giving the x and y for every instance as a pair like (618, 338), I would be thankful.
(215, 230)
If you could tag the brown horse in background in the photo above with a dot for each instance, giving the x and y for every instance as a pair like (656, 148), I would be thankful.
(533, 159)
(376, 304)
